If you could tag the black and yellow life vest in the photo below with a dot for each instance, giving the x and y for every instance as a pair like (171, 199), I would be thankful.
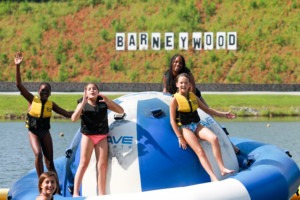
(39, 114)
(187, 109)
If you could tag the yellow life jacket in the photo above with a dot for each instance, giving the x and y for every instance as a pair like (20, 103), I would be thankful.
(186, 105)
(38, 110)
(39, 114)
(187, 109)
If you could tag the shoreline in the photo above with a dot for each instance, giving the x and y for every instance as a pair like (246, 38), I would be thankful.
(246, 110)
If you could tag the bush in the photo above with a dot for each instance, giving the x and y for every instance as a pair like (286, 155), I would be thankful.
(104, 34)
(28, 74)
(116, 66)
(63, 73)
(190, 63)
(25, 8)
(118, 25)
(6, 9)
(78, 58)
(4, 59)
(134, 76)
(210, 8)
(34, 64)
(253, 5)
(148, 65)
(280, 41)
(88, 51)
(44, 76)
(26, 43)
(60, 53)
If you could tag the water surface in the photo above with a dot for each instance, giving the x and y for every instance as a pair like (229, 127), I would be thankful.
(17, 158)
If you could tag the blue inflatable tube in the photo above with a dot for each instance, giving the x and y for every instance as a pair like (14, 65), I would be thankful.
(146, 162)
(272, 174)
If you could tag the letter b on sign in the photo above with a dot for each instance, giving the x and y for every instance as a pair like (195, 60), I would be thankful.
(120, 41)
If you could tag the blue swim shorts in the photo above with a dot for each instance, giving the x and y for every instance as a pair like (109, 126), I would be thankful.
(192, 126)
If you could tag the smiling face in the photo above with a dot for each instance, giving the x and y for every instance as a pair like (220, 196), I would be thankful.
(48, 186)
(183, 84)
(177, 65)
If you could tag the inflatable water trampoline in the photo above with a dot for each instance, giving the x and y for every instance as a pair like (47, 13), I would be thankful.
(145, 162)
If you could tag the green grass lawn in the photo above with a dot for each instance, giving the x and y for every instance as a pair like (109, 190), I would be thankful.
(15, 106)
(257, 105)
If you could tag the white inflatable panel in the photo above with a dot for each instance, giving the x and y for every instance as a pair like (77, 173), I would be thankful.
(143, 149)
(229, 189)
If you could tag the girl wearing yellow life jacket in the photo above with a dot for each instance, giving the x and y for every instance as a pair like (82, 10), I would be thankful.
(186, 125)
(38, 120)
(177, 66)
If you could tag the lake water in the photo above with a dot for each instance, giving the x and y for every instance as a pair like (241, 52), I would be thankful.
(17, 158)
(16, 154)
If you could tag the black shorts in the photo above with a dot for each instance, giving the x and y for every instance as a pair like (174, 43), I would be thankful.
(39, 132)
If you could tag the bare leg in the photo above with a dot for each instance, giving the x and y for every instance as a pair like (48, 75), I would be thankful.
(47, 147)
(193, 142)
(101, 150)
(206, 134)
(37, 151)
(87, 147)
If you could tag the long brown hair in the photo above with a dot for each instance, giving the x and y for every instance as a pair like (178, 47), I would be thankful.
(45, 175)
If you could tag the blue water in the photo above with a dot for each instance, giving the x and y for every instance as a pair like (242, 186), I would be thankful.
(17, 158)
(284, 134)
(16, 154)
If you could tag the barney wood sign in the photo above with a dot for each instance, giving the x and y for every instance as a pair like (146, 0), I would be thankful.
(156, 41)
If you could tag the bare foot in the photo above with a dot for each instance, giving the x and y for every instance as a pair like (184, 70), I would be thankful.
(226, 171)
(76, 195)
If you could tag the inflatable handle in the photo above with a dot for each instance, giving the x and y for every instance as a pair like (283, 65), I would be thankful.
(119, 116)
(157, 112)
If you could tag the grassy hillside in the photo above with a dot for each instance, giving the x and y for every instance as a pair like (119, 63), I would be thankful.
(74, 41)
